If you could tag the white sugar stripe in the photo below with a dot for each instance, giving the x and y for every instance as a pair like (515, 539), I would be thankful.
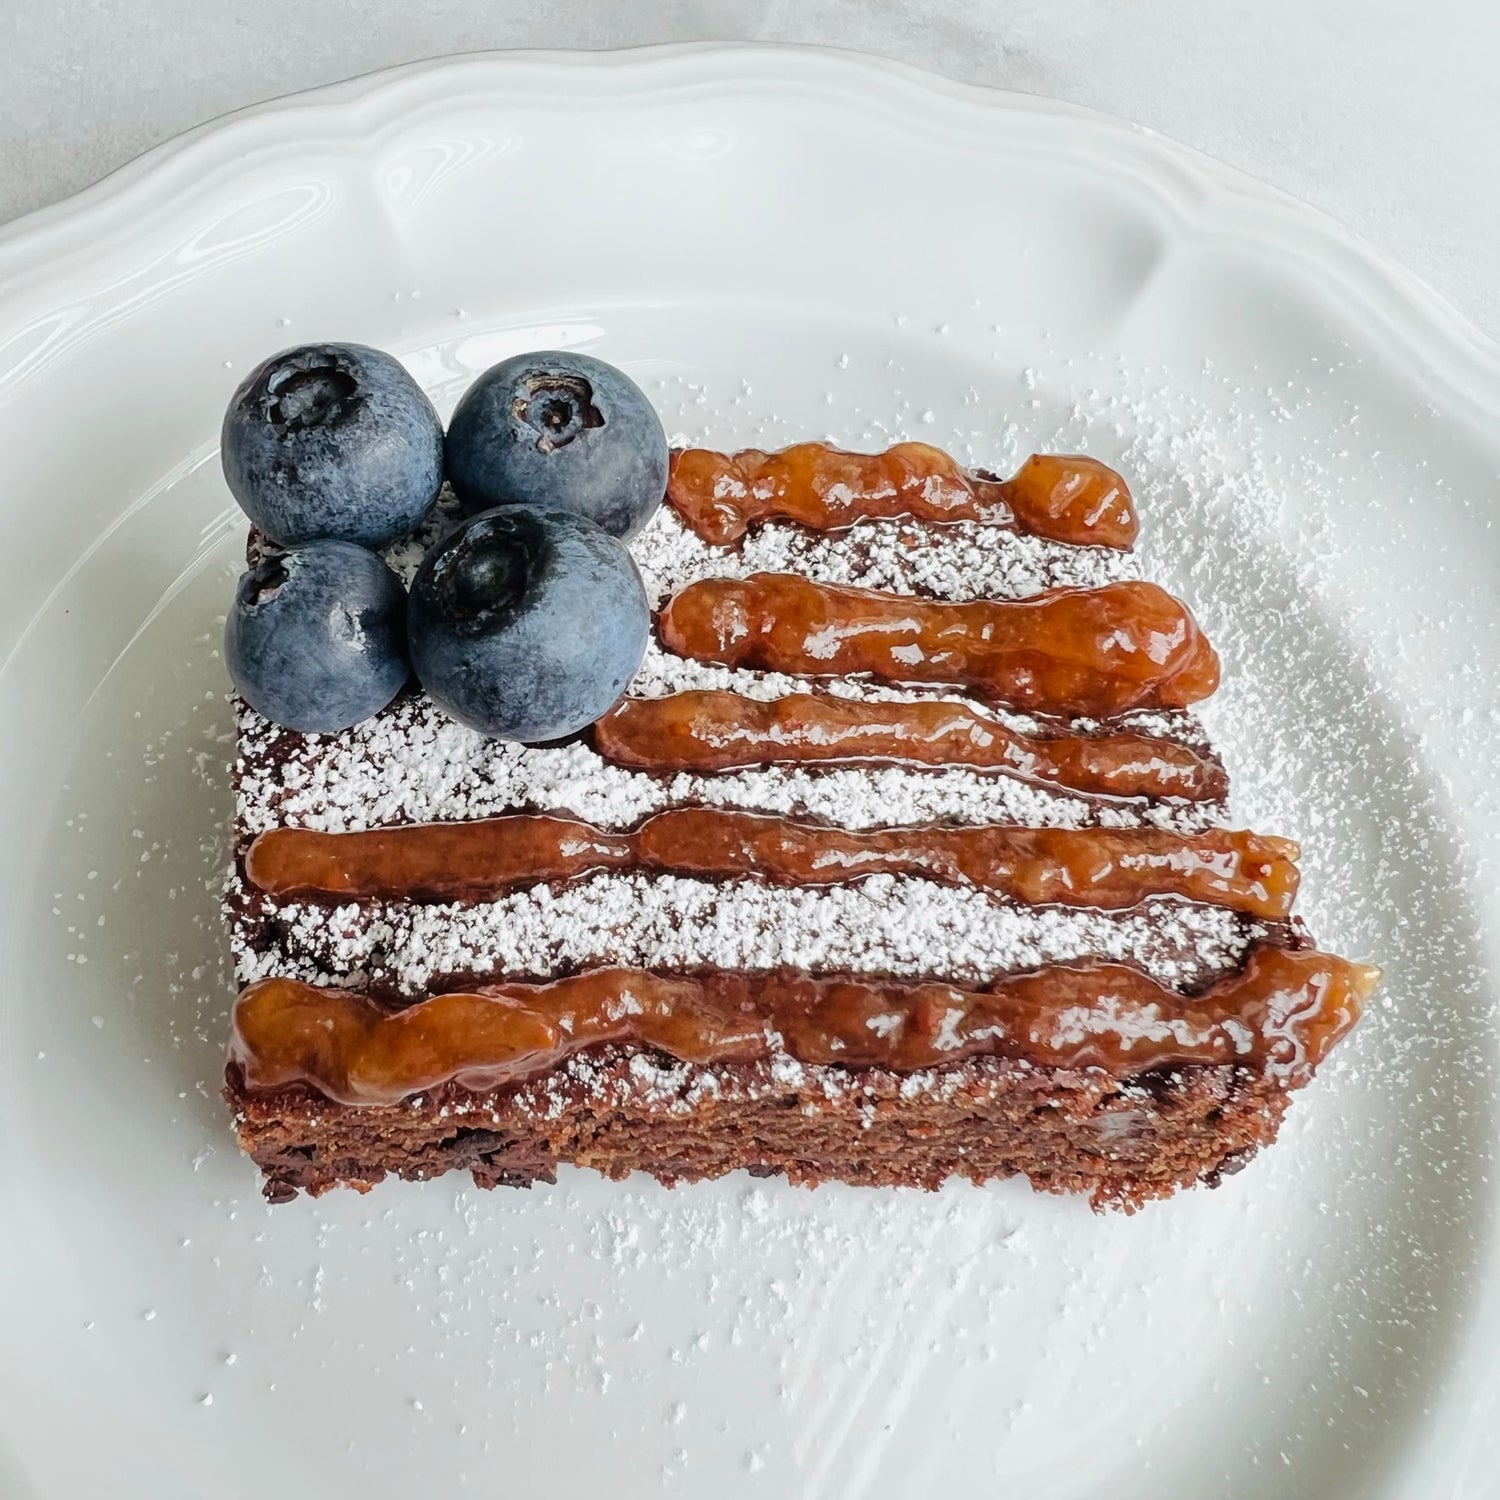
(414, 765)
(661, 674)
(957, 562)
(886, 925)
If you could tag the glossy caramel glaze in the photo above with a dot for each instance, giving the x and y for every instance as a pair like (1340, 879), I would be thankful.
(1065, 498)
(711, 730)
(1279, 1015)
(1109, 869)
(433, 861)
(1095, 652)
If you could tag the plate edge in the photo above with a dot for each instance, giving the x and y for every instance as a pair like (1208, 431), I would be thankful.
(1446, 340)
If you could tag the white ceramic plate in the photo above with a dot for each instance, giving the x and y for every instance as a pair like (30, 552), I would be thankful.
(777, 243)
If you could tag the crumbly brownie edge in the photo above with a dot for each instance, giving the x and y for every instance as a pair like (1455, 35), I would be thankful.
(622, 1110)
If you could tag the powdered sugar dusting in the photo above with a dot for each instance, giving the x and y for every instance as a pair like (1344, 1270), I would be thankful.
(957, 561)
(893, 925)
(661, 673)
(412, 764)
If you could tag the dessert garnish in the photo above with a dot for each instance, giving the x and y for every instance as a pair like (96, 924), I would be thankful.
(1280, 1012)
(316, 637)
(1105, 868)
(714, 730)
(332, 441)
(1094, 652)
(527, 622)
(1068, 498)
(563, 430)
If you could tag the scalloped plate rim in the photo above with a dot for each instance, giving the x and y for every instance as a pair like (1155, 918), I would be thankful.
(1465, 357)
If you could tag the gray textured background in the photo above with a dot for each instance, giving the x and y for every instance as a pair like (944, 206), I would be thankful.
(1386, 113)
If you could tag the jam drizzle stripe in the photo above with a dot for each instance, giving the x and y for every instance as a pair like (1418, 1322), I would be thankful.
(1279, 1014)
(1107, 869)
(1064, 498)
(1080, 652)
(714, 730)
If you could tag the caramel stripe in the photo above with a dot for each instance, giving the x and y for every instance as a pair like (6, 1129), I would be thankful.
(434, 861)
(1280, 1014)
(1090, 652)
(1064, 498)
(1106, 869)
(712, 730)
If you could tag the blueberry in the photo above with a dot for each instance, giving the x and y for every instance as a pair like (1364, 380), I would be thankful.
(563, 430)
(332, 440)
(316, 640)
(527, 622)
